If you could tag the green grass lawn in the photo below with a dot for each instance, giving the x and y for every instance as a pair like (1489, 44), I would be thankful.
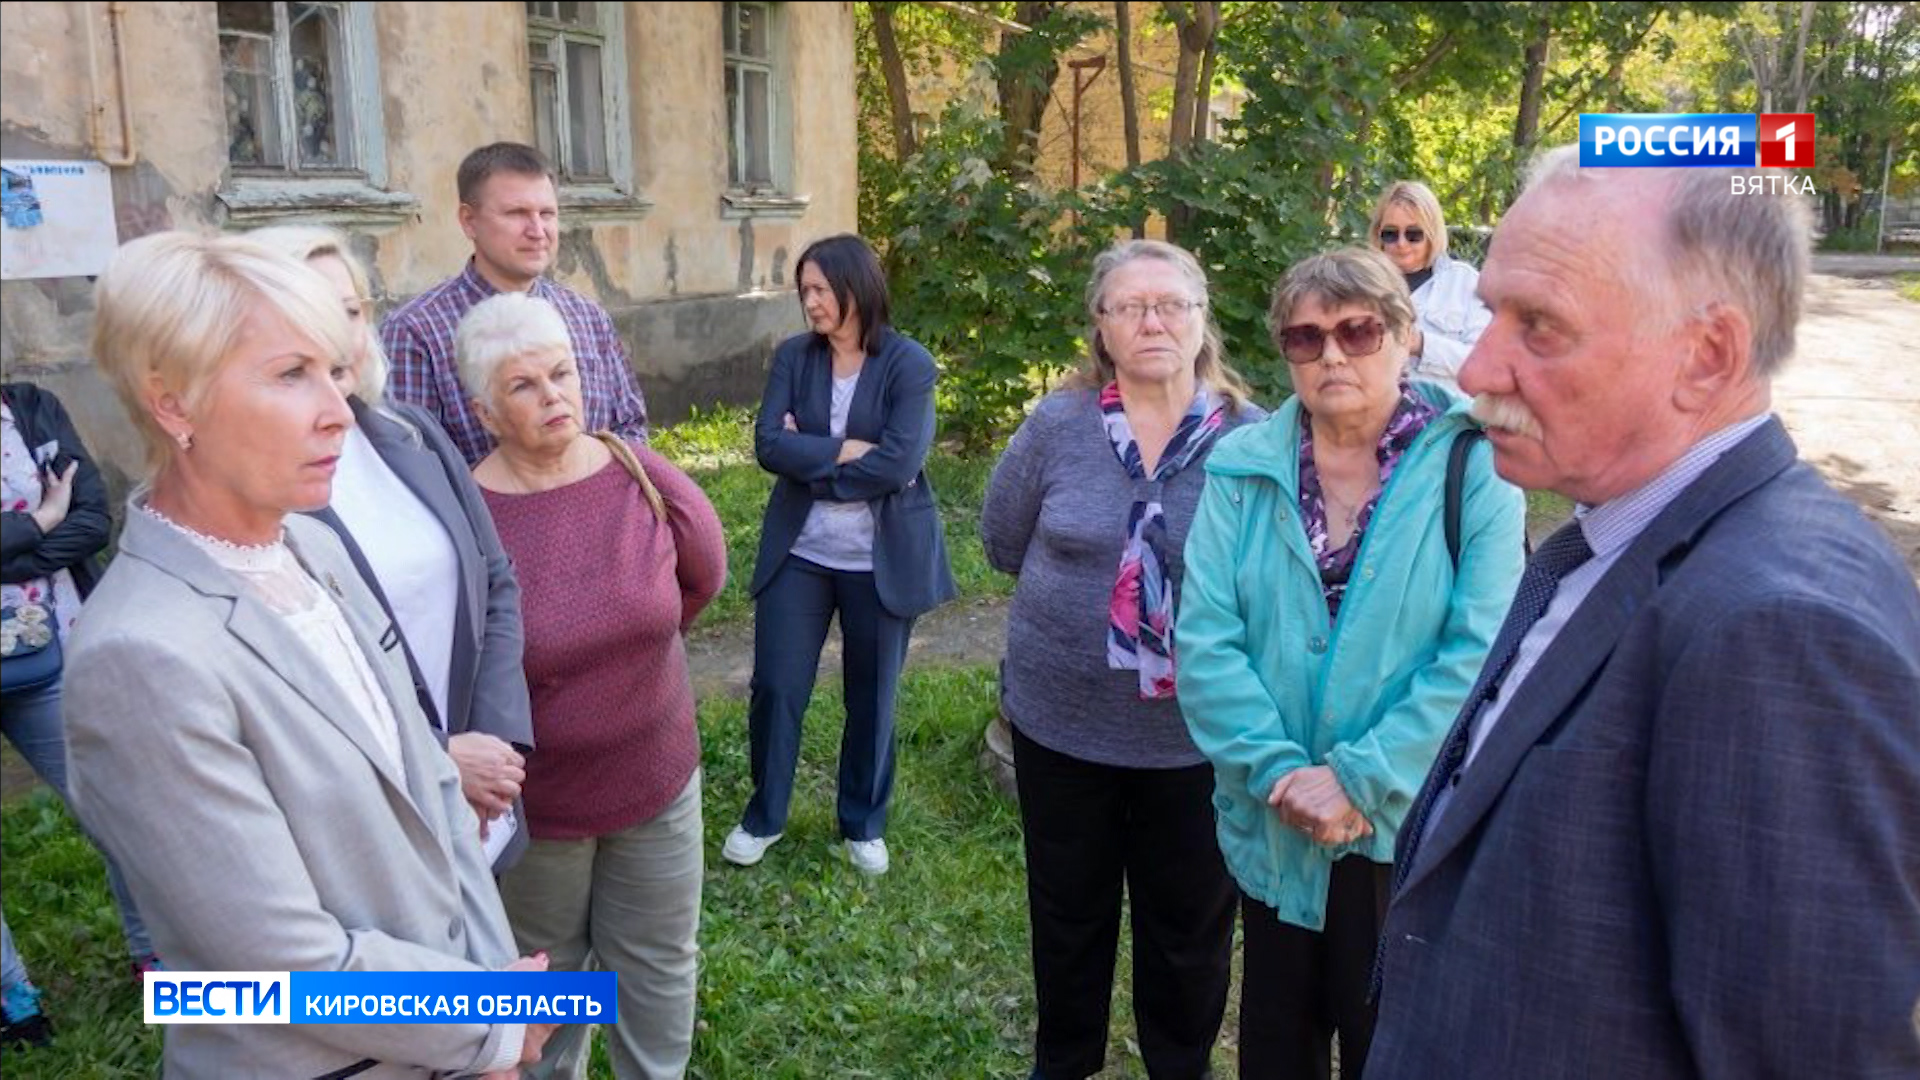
(808, 970)
(716, 449)
(1910, 287)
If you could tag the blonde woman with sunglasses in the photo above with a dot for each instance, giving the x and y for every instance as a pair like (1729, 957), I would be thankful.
(1409, 229)
(1327, 638)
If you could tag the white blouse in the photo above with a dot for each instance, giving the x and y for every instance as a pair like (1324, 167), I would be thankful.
(271, 574)
(411, 555)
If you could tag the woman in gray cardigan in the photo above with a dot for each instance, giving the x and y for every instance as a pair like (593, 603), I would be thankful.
(419, 533)
(1090, 507)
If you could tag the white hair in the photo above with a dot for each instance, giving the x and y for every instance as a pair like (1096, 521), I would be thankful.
(502, 328)
(1749, 250)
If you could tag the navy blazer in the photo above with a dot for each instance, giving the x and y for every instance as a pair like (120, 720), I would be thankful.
(486, 685)
(893, 409)
(1691, 846)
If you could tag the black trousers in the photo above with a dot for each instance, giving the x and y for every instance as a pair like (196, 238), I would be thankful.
(1090, 829)
(1301, 987)
(790, 622)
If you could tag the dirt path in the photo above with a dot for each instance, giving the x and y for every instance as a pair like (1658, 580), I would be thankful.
(1851, 396)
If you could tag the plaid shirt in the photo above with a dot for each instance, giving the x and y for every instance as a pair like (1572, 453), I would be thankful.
(419, 341)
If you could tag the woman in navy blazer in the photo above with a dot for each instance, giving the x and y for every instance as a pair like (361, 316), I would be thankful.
(456, 603)
(851, 528)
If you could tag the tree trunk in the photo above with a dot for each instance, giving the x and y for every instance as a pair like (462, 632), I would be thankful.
(1023, 95)
(1203, 98)
(1199, 24)
(1801, 86)
(1129, 107)
(895, 72)
(1526, 126)
(1184, 70)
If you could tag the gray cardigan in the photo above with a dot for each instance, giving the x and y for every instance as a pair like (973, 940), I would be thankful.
(1056, 516)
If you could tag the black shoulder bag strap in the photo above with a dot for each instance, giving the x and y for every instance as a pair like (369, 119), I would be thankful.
(1456, 486)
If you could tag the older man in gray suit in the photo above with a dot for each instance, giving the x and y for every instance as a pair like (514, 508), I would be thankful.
(1676, 830)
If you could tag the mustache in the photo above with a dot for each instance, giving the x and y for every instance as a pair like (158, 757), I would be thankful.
(1507, 413)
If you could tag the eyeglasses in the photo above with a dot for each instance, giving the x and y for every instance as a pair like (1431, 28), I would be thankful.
(1171, 309)
(1390, 235)
(1358, 336)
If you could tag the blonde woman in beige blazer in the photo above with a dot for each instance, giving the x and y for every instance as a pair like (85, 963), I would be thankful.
(242, 729)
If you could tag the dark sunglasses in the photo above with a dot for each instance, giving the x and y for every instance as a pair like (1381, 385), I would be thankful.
(1391, 235)
(1358, 336)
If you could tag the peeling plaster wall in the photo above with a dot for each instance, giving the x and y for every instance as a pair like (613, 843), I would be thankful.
(701, 295)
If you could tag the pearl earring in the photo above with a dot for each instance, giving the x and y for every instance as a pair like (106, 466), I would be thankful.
(185, 439)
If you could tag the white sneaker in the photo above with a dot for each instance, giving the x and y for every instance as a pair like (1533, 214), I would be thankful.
(744, 848)
(868, 856)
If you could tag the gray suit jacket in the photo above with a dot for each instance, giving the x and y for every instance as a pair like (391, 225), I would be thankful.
(259, 826)
(486, 684)
(1691, 846)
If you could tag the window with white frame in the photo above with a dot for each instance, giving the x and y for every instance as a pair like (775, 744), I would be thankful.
(572, 51)
(287, 72)
(752, 87)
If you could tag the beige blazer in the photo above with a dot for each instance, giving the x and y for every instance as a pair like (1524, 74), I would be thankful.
(259, 825)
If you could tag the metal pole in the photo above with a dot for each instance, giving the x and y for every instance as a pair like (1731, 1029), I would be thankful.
(1886, 178)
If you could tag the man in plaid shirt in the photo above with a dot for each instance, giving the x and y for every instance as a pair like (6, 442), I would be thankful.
(509, 209)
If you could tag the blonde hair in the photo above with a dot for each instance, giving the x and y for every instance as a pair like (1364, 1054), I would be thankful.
(1418, 198)
(1750, 250)
(1209, 366)
(502, 328)
(309, 242)
(172, 307)
(1350, 275)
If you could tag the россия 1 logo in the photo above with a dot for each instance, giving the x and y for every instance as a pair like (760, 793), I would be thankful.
(1704, 141)
(1696, 140)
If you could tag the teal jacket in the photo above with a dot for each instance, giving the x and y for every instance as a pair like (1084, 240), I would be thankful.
(1268, 684)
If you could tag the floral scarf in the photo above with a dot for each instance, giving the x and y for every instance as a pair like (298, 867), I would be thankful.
(1140, 612)
(1410, 417)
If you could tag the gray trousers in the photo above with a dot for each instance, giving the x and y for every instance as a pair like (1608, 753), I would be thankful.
(628, 903)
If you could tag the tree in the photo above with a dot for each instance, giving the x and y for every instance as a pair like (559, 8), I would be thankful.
(1773, 39)
(1533, 79)
(894, 71)
(1129, 106)
(1198, 25)
(1026, 76)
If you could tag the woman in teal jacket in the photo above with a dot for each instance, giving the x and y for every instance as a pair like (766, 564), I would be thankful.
(1327, 638)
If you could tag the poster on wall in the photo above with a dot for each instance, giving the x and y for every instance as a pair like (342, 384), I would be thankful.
(56, 219)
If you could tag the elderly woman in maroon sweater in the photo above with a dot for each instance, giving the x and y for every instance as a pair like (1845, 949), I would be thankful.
(617, 552)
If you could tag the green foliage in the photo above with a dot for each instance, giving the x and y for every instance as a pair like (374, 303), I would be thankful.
(1247, 223)
(66, 927)
(986, 271)
(1910, 287)
(1861, 237)
(1336, 99)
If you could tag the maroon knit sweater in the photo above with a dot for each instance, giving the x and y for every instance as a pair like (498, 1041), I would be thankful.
(605, 591)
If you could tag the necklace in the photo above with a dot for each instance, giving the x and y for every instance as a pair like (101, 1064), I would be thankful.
(267, 548)
(1348, 509)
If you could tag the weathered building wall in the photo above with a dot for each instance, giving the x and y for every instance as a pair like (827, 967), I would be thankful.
(700, 289)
